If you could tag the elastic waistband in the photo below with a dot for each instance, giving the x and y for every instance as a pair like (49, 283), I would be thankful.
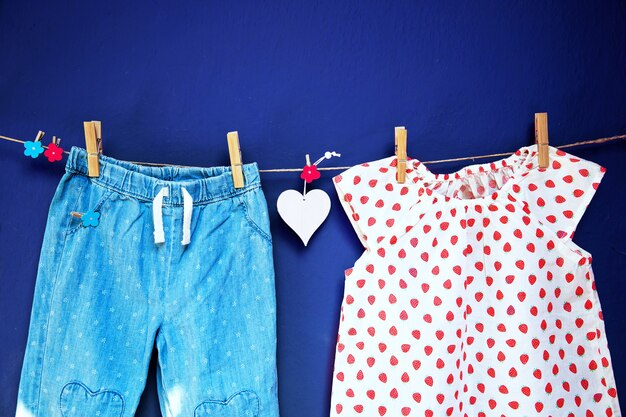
(144, 182)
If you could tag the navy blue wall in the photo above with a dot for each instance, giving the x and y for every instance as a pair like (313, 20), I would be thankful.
(169, 79)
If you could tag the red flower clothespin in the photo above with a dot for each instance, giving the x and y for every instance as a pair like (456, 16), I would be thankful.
(309, 172)
(54, 152)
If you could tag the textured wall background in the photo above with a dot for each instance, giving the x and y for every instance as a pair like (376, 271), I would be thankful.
(169, 79)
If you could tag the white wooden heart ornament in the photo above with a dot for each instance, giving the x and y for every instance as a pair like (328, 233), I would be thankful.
(304, 213)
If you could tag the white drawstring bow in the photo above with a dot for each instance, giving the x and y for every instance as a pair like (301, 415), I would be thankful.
(157, 214)
(187, 208)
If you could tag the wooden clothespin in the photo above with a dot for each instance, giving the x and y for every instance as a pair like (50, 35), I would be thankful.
(93, 142)
(39, 136)
(541, 139)
(234, 151)
(400, 141)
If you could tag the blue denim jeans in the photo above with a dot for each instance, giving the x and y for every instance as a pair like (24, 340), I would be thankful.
(106, 293)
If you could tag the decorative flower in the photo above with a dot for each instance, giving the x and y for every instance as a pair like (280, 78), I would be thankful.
(310, 173)
(33, 148)
(91, 218)
(54, 152)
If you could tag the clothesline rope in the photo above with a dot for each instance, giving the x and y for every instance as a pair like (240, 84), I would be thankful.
(342, 168)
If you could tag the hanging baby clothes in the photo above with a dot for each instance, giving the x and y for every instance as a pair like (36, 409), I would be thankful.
(471, 299)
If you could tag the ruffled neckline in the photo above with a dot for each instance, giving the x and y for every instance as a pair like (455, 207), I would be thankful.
(475, 182)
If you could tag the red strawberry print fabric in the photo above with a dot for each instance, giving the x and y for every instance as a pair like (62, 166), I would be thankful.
(471, 299)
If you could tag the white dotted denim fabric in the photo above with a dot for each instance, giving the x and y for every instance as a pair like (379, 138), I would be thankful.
(189, 269)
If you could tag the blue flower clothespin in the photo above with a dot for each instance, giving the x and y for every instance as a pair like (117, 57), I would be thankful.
(91, 218)
(33, 148)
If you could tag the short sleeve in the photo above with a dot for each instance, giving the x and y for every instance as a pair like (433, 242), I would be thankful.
(560, 194)
(372, 199)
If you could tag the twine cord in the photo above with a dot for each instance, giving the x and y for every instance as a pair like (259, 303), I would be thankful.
(342, 168)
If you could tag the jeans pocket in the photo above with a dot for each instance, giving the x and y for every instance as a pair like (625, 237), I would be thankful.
(255, 210)
(91, 197)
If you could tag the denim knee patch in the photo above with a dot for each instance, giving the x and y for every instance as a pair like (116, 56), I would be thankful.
(241, 404)
(77, 400)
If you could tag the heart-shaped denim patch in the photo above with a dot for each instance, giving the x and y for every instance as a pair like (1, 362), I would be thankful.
(241, 404)
(78, 401)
